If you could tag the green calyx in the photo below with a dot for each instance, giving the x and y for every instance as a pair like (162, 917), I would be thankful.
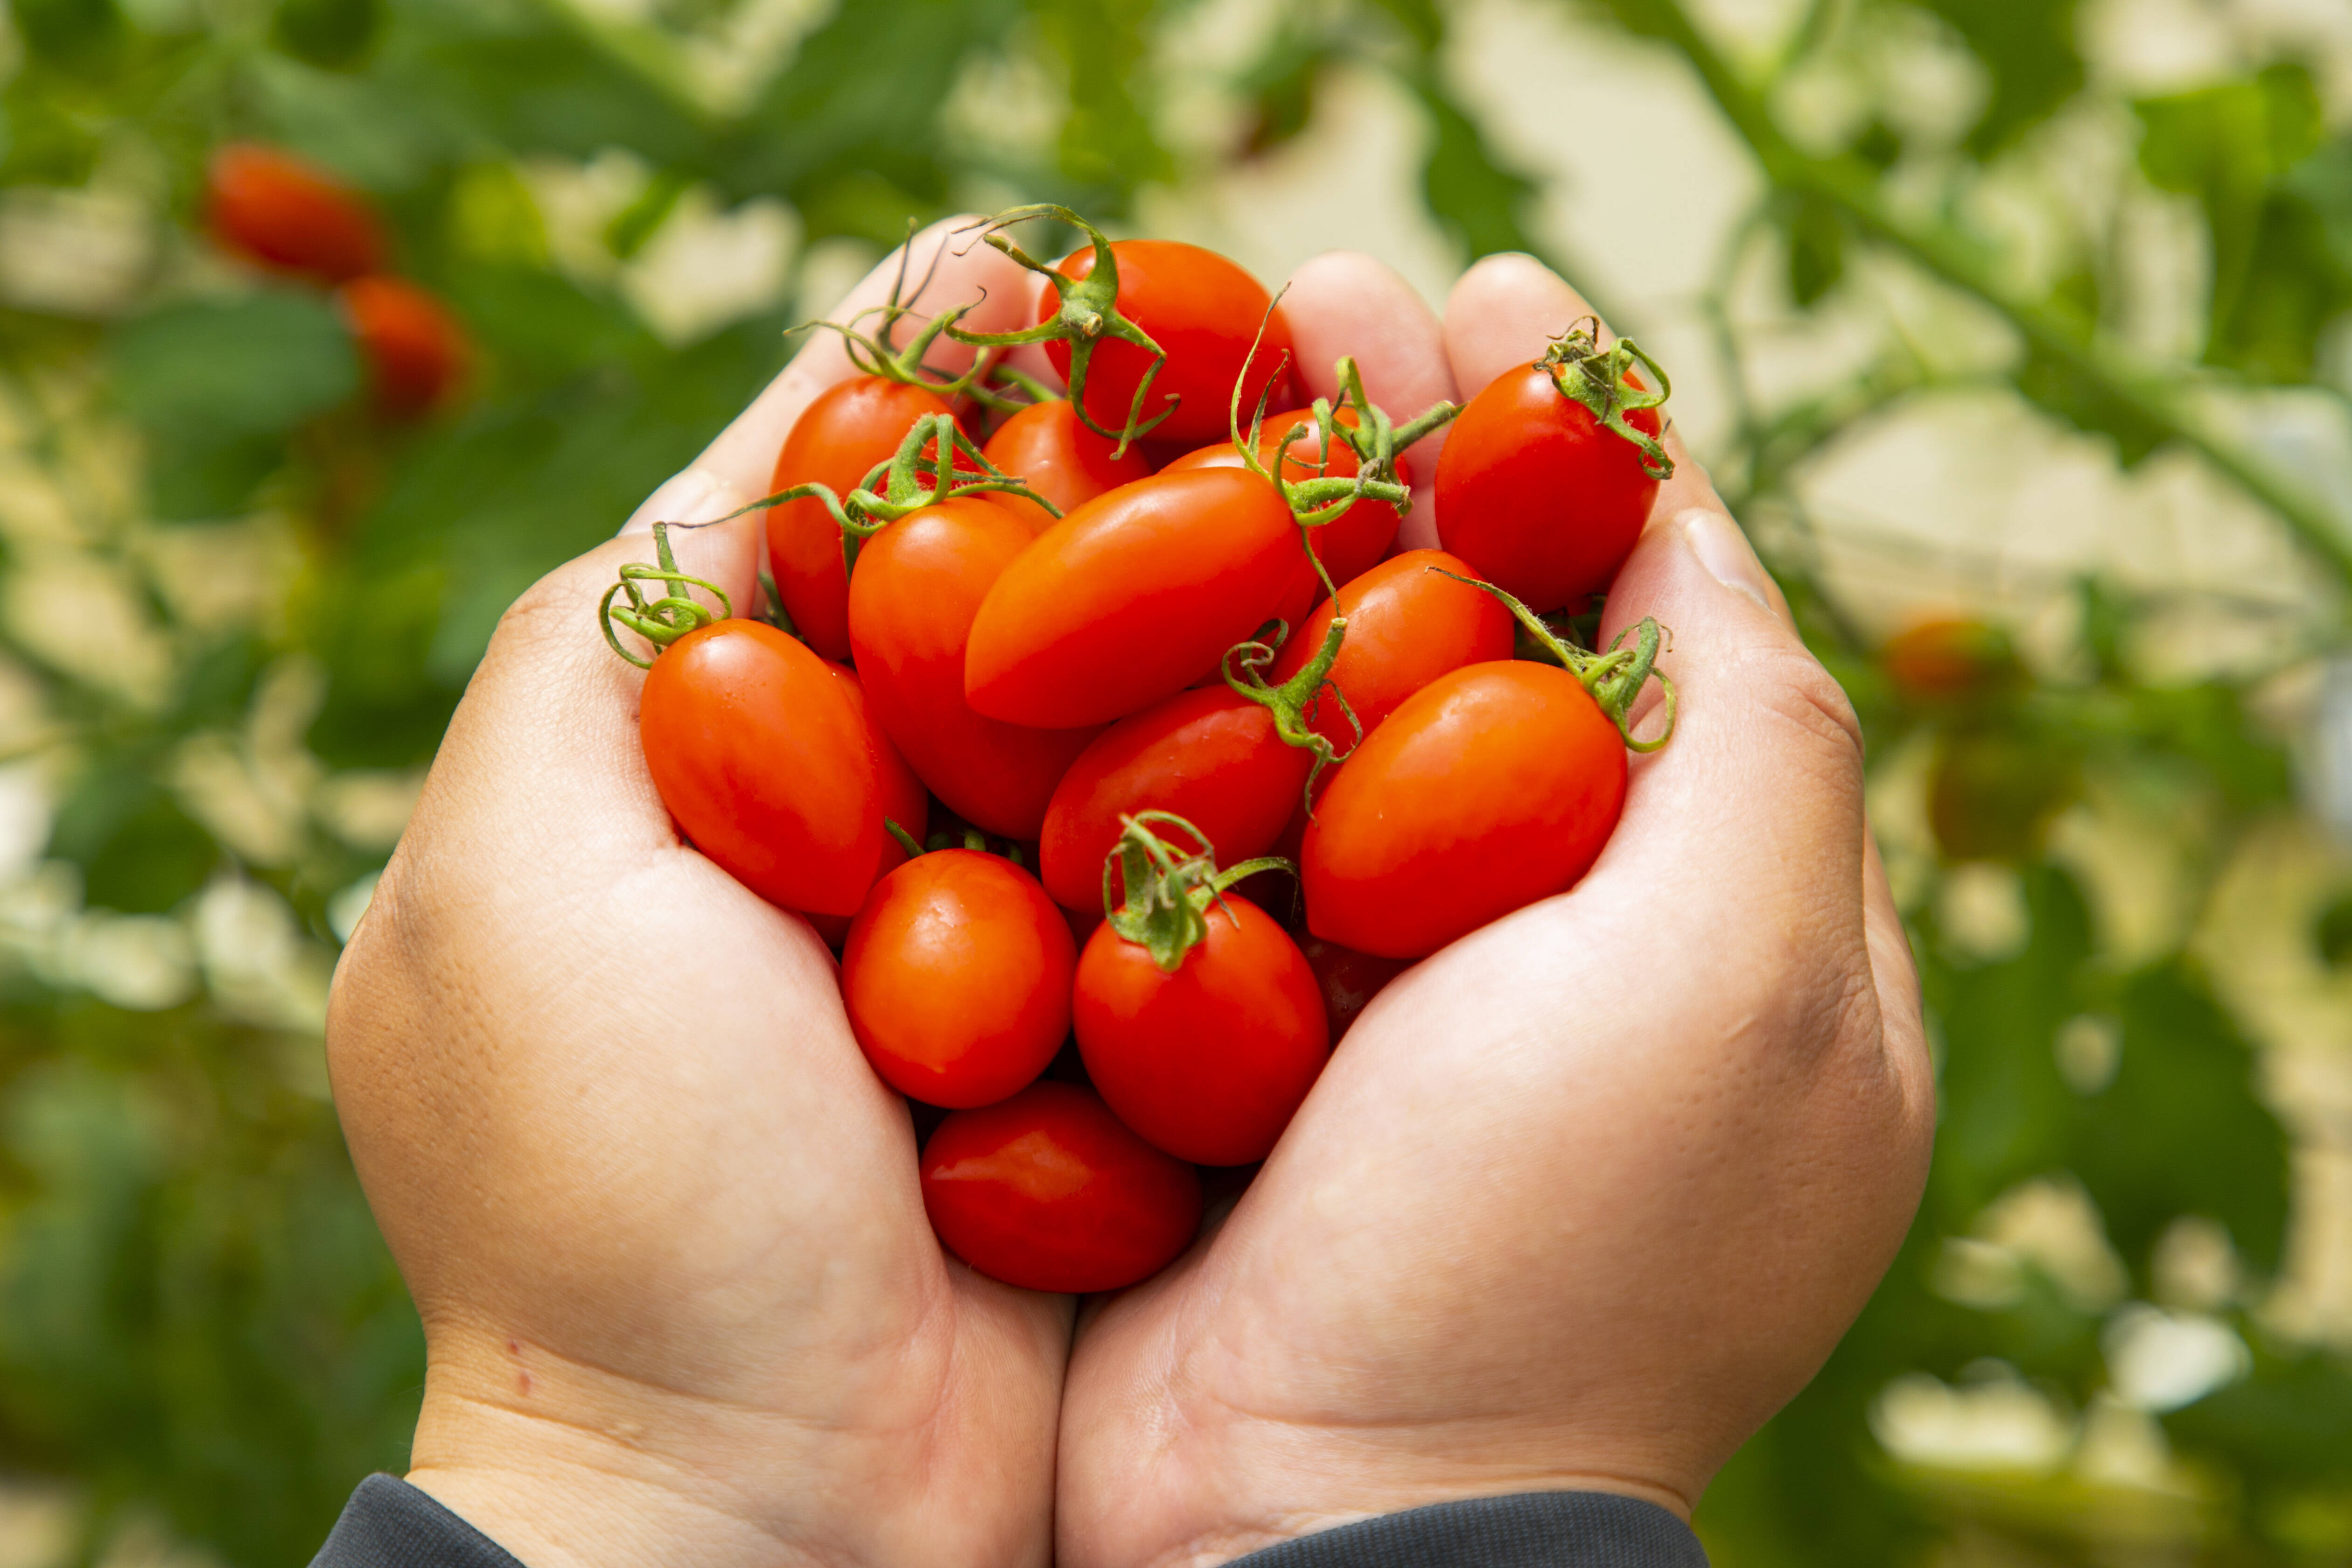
(1614, 678)
(1601, 380)
(1087, 315)
(970, 838)
(1288, 702)
(660, 621)
(1162, 904)
(871, 351)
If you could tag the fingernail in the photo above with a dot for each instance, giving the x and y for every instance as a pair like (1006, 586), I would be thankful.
(1724, 551)
(690, 495)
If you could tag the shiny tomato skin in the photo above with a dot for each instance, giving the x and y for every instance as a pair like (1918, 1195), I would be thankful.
(763, 755)
(1047, 1191)
(1489, 788)
(1208, 1063)
(1406, 627)
(905, 801)
(289, 213)
(1130, 598)
(1350, 545)
(1536, 495)
(918, 585)
(1202, 311)
(414, 349)
(957, 978)
(1046, 447)
(836, 442)
(1211, 756)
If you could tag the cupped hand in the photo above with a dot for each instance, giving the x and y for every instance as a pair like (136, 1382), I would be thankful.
(660, 1219)
(1586, 1196)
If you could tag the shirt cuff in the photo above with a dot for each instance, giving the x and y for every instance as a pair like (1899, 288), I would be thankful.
(1532, 1530)
(390, 1524)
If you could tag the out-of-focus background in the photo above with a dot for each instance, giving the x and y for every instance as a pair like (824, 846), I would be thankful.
(2020, 332)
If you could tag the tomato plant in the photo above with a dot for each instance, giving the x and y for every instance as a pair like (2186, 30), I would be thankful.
(957, 978)
(288, 214)
(1549, 473)
(1200, 1022)
(919, 584)
(1048, 1192)
(1950, 659)
(838, 439)
(1047, 447)
(1408, 622)
(1130, 598)
(415, 350)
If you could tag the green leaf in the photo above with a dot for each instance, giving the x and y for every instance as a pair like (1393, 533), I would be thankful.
(1107, 143)
(1816, 249)
(80, 33)
(2057, 386)
(1473, 192)
(2028, 47)
(334, 35)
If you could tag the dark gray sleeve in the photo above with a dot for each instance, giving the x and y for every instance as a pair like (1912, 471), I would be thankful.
(390, 1524)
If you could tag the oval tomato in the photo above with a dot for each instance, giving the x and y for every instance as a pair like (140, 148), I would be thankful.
(1130, 598)
(836, 442)
(1208, 1063)
(288, 213)
(1210, 756)
(1489, 788)
(414, 349)
(1046, 447)
(1047, 1191)
(918, 585)
(1543, 500)
(1202, 311)
(1350, 544)
(1348, 979)
(1407, 625)
(1950, 659)
(764, 755)
(905, 801)
(957, 978)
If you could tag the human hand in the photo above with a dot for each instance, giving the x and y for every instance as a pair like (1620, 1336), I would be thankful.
(661, 1220)
(1585, 1197)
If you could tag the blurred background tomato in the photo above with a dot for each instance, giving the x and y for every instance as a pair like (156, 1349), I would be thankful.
(2020, 332)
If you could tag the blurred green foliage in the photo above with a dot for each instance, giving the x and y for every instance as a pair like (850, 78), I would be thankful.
(197, 1323)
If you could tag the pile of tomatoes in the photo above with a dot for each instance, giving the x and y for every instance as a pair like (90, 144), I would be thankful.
(1120, 755)
(285, 214)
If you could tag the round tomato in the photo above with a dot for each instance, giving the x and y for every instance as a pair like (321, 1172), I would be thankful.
(957, 978)
(1210, 756)
(1130, 598)
(764, 755)
(287, 213)
(1950, 659)
(1209, 1062)
(1407, 625)
(414, 350)
(918, 585)
(1047, 1191)
(1350, 545)
(1543, 500)
(1202, 311)
(1349, 980)
(1047, 448)
(1489, 788)
(836, 442)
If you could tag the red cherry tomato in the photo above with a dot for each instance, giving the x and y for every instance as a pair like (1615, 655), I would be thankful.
(1538, 496)
(415, 350)
(289, 213)
(905, 801)
(1202, 311)
(1046, 447)
(1047, 1191)
(1208, 1063)
(957, 978)
(1351, 544)
(764, 755)
(836, 442)
(1210, 756)
(1950, 659)
(1348, 979)
(918, 585)
(1407, 625)
(1130, 598)
(1489, 788)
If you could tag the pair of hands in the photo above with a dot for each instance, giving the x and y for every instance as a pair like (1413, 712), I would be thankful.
(1581, 1202)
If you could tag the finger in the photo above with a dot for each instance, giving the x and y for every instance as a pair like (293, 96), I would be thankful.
(1344, 302)
(945, 265)
(1894, 970)
(1503, 312)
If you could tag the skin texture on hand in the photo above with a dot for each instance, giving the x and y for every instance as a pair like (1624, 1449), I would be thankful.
(1579, 1202)
(1585, 1197)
